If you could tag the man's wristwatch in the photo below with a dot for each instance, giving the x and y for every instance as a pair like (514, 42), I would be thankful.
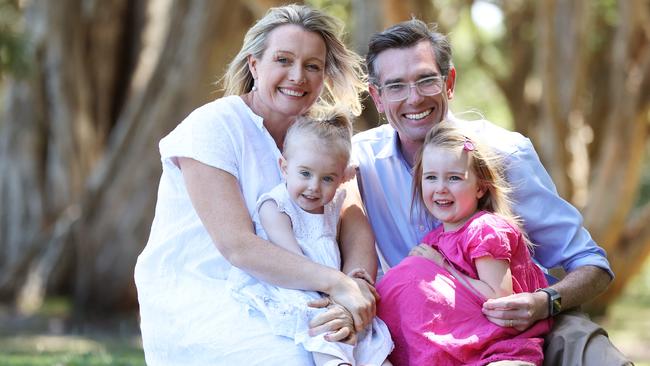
(554, 301)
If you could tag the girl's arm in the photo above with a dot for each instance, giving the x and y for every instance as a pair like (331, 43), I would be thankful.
(494, 276)
(219, 204)
(357, 241)
(278, 227)
(357, 245)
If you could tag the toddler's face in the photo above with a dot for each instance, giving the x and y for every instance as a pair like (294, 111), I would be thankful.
(313, 174)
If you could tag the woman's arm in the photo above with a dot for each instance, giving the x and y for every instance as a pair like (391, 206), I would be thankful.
(217, 200)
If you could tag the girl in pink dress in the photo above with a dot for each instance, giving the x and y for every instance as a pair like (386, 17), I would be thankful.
(432, 300)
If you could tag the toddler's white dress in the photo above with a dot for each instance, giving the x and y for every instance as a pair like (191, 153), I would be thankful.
(286, 309)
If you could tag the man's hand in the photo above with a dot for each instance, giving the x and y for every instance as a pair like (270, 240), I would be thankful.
(519, 311)
(336, 320)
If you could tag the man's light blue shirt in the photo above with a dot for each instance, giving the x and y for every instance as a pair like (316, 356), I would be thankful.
(552, 224)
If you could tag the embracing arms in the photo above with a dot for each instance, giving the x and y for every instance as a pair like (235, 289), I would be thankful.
(578, 287)
(218, 202)
(556, 227)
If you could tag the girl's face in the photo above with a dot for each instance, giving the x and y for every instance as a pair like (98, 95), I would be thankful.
(450, 188)
(312, 172)
(290, 74)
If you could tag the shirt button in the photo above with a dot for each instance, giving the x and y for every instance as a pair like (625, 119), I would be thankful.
(421, 227)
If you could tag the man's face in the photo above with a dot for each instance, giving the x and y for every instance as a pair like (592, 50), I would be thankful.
(414, 116)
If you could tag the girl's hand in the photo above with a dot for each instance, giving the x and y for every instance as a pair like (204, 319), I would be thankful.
(427, 251)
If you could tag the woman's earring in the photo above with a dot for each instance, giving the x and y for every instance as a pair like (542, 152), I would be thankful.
(254, 88)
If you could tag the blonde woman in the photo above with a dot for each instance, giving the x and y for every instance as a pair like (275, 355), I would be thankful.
(216, 164)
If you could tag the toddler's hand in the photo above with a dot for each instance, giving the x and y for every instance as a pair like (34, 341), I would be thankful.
(336, 321)
(427, 251)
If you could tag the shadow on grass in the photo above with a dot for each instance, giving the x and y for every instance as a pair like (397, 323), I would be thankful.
(66, 350)
(51, 338)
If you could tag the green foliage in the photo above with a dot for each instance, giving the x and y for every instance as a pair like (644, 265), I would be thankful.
(475, 90)
(337, 8)
(13, 42)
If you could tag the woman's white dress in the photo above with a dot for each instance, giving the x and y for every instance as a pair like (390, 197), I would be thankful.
(187, 316)
(286, 309)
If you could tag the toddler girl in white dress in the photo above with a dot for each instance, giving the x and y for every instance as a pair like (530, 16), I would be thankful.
(301, 215)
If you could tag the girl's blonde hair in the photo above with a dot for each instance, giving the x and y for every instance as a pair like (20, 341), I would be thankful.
(332, 126)
(345, 79)
(484, 162)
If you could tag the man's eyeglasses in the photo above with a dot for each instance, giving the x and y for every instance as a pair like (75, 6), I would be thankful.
(429, 86)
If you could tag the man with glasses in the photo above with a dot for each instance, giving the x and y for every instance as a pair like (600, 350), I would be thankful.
(411, 81)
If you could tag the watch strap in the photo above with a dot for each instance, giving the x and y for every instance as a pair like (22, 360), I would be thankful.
(554, 300)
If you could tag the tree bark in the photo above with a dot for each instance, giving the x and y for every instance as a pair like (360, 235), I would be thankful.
(111, 79)
(580, 91)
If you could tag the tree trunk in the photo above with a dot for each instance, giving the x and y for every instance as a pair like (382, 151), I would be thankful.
(111, 79)
(580, 90)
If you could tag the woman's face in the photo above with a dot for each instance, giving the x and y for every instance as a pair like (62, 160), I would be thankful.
(290, 74)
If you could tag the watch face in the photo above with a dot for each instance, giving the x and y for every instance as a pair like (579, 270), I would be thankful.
(557, 305)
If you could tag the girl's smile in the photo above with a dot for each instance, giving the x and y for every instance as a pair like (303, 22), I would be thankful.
(449, 186)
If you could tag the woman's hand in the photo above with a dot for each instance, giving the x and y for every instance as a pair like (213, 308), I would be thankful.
(337, 321)
(356, 296)
(427, 251)
(362, 274)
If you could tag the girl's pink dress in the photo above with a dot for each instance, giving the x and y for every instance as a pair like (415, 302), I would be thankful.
(436, 320)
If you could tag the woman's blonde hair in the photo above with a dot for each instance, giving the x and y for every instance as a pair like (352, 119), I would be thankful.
(486, 164)
(345, 79)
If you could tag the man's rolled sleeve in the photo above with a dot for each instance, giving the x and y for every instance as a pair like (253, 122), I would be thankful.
(552, 224)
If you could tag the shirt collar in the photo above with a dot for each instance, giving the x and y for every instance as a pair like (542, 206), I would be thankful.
(390, 149)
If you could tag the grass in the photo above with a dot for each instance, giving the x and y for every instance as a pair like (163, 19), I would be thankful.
(65, 350)
(48, 340)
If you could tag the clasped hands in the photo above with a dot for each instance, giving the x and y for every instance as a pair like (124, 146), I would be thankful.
(518, 311)
(348, 314)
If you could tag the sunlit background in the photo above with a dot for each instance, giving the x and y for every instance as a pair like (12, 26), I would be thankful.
(89, 87)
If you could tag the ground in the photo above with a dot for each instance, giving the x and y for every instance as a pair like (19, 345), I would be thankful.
(48, 338)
